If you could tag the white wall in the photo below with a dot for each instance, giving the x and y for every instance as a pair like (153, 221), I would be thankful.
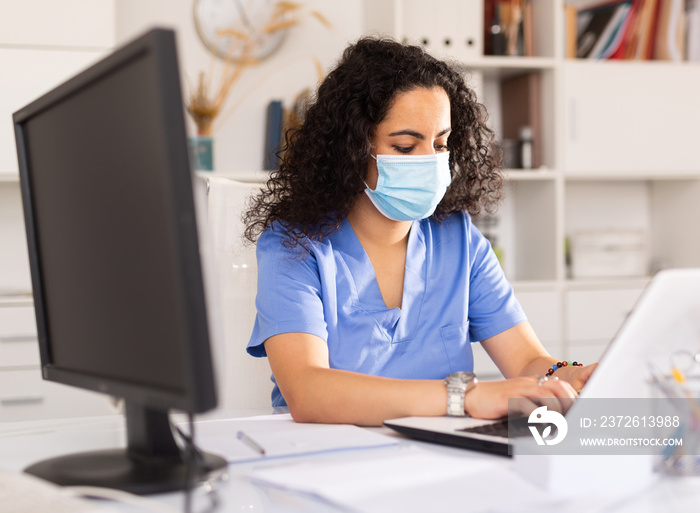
(240, 141)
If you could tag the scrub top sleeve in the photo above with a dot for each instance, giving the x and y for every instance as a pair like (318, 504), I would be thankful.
(493, 307)
(289, 294)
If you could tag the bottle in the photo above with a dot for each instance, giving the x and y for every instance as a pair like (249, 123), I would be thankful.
(526, 160)
(495, 33)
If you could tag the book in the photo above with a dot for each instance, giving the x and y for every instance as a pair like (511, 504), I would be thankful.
(669, 42)
(570, 14)
(273, 135)
(591, 24)
(629, 32)
(521, 105)
(528, 29)
(644, 47)
(615, 40)
(598, 26)
(693, 31)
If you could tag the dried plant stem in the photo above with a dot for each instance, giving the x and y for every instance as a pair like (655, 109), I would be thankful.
(221, 119)
(206, 101)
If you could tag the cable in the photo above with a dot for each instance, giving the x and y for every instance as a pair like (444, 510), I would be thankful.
(191, 461)
(194, 458)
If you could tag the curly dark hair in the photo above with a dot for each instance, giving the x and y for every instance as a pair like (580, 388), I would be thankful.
(324, 161)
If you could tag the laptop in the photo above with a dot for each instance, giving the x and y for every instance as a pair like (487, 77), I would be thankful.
(665, 319)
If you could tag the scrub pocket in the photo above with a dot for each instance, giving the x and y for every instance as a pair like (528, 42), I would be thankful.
(455, 338)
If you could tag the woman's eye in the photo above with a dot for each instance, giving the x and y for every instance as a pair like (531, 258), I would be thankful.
(440, 147)
(403, 149)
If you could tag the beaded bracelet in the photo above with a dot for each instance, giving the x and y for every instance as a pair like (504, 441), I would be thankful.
(563, 364)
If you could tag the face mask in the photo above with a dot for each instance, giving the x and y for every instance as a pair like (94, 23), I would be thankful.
(409, 187)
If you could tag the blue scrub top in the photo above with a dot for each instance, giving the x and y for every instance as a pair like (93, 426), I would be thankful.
(454, 293)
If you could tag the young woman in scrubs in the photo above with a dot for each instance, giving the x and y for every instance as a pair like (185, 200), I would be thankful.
(373, 281)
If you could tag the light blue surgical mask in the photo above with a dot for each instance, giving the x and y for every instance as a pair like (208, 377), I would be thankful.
(409, 187)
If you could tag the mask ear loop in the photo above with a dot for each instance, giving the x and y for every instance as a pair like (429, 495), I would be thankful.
(363, 180)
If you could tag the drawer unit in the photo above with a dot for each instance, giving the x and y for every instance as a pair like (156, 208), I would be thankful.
(18, 352)
(24, 395)
(18, 338)
(17, 322)
(543, 309)
(594, 316)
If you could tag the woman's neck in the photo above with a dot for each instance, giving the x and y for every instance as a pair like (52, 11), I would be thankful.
(375, 229)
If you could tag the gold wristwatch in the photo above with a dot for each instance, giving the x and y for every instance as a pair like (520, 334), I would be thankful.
(458, 385)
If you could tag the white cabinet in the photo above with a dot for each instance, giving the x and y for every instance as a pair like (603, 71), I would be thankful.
(43, 43)
(632, 118)
(68, 23)
(27, 73)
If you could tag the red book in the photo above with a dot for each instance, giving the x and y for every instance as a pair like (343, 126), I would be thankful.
(630, 27)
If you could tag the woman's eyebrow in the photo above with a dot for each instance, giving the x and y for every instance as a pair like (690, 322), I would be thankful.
(418, 135)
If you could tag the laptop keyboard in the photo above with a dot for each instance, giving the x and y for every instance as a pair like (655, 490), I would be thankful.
(518, 428)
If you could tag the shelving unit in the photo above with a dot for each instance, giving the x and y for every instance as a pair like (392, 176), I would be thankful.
(619, 151)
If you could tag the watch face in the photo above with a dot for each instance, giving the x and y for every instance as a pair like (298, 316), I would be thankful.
(461, 376)
(240, 17)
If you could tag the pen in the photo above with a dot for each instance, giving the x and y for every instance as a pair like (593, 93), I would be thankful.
(250, 442)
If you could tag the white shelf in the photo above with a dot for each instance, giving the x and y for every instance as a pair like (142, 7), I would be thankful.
(516, 175)
(257, 176)
(606, 283)
(502, 67)
(623, 176)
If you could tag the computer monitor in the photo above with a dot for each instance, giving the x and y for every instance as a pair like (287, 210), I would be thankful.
(114, 256)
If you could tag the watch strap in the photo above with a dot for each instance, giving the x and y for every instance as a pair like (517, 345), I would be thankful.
(456, 393)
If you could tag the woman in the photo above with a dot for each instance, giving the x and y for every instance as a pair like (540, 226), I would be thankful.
(373, 281)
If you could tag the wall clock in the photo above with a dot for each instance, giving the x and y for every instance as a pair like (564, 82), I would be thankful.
(211, 17)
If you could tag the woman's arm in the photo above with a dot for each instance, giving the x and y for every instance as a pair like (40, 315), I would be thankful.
(518, 352)
(316, 393)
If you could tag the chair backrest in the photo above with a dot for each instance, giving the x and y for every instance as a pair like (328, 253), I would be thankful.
(243, 381)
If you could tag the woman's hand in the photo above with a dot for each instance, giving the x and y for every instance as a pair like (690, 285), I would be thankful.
(489, 399)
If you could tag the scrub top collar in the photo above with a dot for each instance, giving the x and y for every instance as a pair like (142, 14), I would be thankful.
(363, 281)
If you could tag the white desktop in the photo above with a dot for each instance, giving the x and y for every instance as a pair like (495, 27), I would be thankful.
(407, 476)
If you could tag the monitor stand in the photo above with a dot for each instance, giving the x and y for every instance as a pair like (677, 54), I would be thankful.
(151, 463)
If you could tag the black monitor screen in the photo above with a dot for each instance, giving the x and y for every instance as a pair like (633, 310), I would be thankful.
(102, 204)
(113, 245)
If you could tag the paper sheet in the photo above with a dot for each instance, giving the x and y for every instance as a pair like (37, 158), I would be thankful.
(279, 436)
(405, 478)
(415, 479)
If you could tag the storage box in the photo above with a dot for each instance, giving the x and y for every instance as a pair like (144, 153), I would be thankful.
(609, 253)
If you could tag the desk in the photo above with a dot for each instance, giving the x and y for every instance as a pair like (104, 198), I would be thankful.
(498, 490)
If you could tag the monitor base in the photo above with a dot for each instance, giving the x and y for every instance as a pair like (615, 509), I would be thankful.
(117, 469)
